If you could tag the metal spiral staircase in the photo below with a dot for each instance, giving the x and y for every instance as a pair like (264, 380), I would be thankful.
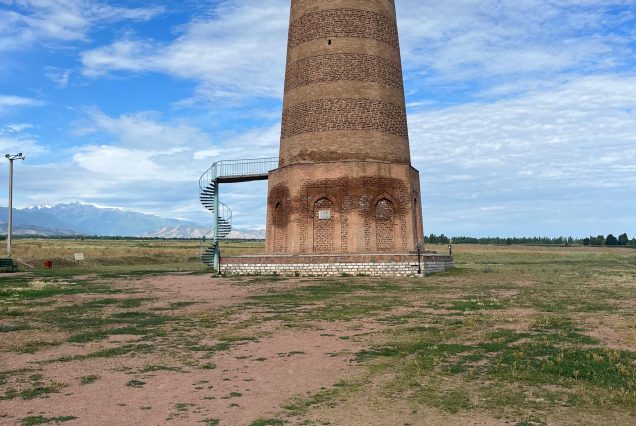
(231, 171)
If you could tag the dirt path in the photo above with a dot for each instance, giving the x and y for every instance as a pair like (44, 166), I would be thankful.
(248, 381)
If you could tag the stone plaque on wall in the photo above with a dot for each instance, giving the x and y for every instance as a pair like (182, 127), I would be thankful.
(324, 214)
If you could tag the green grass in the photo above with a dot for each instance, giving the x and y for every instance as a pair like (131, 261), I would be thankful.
(96, 324)
(107, 353)
(326, 397)
(153, 368)
(537, 363)
(268, 422)
(515, 334)
(87, 380)
(477, 304)
(40, 420)
(208, 366)
(32, 392)
(330, 300)
(8, 328)
(33, 347)
(183, 407)
(450, 400)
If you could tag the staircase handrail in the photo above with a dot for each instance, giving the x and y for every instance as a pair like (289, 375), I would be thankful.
(205, 238)
(229, 168)
(225, 214)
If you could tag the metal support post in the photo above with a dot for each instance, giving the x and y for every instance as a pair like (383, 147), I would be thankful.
(215, 233)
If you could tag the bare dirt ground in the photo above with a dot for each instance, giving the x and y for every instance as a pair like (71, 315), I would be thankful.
(250, 380)
(511, 337)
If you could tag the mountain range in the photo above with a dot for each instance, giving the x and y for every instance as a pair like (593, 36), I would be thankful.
(89, 220)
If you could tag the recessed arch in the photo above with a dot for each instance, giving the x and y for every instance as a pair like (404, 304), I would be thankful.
(384, 213)
(279, 225)
(387, 196)
(324, 228)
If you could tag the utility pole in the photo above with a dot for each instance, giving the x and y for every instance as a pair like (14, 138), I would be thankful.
(11, 158)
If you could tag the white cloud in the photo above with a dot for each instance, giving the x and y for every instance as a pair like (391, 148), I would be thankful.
(25, 22)
(256, 143)
(14, 138)
(143, 130)
(60, 77)
(574, 145)
(240, 50)
(492, 42)
(141, 162)
(28, 146)
(117, 163)
(206, 154)
(15, 128)
(10, 102)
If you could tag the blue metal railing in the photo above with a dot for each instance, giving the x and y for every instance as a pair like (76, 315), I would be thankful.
(238, 168)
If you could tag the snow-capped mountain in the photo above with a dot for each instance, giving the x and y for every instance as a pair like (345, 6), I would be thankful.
(87, 219)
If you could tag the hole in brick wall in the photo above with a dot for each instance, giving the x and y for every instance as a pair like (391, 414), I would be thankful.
(329, 42)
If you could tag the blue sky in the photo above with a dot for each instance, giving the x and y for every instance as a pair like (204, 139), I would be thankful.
(522, 114)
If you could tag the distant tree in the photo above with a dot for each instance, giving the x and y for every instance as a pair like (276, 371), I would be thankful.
(611, 240)
(586, 242)
(623, 239)
(600, 241)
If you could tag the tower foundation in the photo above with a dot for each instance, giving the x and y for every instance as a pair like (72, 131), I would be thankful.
(346, 207)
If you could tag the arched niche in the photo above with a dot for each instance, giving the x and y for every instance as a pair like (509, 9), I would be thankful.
(279, 223)
(324, 225)
(384, 214)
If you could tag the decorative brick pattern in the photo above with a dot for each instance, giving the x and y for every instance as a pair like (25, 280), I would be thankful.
(351, 202)
(333, 23)
(343, 67)
(335, 114)
(295, 3)
(384, 226)
(324, 232)
(346, 208)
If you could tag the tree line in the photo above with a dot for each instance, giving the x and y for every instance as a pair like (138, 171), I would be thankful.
(600, 240)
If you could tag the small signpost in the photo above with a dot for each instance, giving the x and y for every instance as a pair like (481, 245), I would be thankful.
(79, 257)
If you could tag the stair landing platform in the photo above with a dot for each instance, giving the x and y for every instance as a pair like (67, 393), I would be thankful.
(320, 265)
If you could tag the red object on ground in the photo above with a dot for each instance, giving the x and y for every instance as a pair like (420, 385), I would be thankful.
(48, 264)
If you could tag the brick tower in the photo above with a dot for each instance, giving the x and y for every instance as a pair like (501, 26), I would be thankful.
(345, 183)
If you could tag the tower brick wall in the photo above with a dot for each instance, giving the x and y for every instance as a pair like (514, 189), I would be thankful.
(345, 182)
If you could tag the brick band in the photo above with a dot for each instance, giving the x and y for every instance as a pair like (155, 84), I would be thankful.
(296, 3)
(343, 23)
(343, 67)
(349, 114)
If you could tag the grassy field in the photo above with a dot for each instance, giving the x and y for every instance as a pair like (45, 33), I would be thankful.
(122, 255)
(513, 335)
